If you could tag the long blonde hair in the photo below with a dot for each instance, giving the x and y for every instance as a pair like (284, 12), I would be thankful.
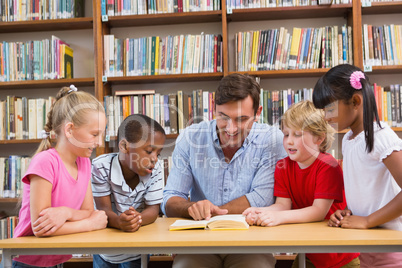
(70, 106)
(304, 116)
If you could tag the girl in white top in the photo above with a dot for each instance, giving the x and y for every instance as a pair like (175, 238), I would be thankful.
(372, 157)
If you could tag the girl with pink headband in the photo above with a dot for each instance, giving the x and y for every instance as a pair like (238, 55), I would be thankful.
(372, 157)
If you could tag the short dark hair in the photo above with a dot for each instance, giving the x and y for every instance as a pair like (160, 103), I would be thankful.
(235, 87)
(134, 126)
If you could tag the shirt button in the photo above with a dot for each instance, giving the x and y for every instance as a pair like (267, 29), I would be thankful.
(225, 190)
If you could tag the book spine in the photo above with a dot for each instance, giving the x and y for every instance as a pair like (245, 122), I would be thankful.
(173, 114)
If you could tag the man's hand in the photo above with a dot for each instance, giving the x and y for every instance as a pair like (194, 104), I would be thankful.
(335, 219)
(204, 209)
(130, 220)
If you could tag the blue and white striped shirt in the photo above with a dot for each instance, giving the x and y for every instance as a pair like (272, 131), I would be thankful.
(199, 166)
(108, 180)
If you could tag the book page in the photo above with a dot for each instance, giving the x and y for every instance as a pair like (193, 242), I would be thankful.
(187, 224)
(228, 222)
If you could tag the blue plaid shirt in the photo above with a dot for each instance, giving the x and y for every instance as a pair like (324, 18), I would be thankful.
(199, 166)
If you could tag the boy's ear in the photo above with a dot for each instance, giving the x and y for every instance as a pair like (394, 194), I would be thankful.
(319, 140)
(123, 146)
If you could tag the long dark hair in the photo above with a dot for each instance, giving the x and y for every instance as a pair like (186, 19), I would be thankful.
(335, 85)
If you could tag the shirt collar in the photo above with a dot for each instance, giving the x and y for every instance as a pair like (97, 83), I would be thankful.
(117, 178)
(116, 174)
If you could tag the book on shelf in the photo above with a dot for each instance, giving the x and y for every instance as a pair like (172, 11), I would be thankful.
(24, 10)
(173, 114)
(134, 92)
(31, 60)
(3, 119)
(381, 45)
(294, 48)
(68, 70)
(12, 169)
(305, 48)
(162, 55)
(7, 226)
(220, 222)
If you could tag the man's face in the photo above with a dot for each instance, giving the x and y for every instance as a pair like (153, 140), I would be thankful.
(234, 121)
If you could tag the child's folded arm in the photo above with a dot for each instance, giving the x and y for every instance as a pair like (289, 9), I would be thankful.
(316, 212)
(149, 214)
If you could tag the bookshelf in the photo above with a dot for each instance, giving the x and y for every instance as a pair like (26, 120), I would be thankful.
(46, 25)
(78, 33)
(351, 14)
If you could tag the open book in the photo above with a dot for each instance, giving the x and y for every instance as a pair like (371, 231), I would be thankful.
(221, 222)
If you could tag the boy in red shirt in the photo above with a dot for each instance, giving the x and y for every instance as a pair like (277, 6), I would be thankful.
(308, 183)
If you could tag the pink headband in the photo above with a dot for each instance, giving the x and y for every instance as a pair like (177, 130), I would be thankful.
(355, 79)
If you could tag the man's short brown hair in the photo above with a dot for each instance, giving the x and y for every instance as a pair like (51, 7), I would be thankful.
(235, 87)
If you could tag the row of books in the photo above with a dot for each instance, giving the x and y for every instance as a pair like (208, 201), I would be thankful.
(371, 1)
(21, 10)
(36, 60)
(305, 48)
(12, 169)
(239, 4)
(22, 118)
(275, 103)
(7, 226)
(176, 111)
(162, 55)
(388, 100)
(141, 7)
(382, 45)
(173, 111)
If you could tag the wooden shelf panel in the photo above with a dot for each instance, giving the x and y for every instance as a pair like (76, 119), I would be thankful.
(47, 25)
(9, 200)
(80, 259)
(392, 69)
(168, 136)
(277, 257)
(280, 13)
(287, 73)
(165, 19)
(383, 8)
(165, 78)
(396, 129)
(170, 258)
(20, 141)
(56, 83)
(160, 258)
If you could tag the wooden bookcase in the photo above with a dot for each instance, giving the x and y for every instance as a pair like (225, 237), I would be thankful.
(351, 12)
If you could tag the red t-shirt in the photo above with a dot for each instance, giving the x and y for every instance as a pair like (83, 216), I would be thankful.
(322, 180)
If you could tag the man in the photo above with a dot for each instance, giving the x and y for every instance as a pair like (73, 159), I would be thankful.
(227, 165)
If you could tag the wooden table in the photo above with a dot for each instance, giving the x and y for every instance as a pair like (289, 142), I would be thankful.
(156, 238)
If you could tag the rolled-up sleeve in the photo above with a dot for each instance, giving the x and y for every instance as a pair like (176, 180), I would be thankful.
(262, 188)
(180, 177)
